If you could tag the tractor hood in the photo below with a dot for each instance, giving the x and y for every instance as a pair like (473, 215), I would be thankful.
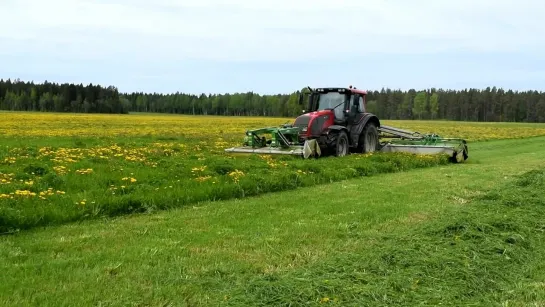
(313, 123)
(303, 120)
(320, 113)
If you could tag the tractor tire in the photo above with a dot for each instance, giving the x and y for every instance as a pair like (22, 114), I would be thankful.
(368, 141)
(341, 144)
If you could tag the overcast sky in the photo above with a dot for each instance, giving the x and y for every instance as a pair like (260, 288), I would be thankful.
(267, 46)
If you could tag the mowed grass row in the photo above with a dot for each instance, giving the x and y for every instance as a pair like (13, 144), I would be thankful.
(57, 168)
(455, 235)
(485, 252)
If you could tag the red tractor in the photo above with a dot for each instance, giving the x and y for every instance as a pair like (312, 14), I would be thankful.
(337, 122)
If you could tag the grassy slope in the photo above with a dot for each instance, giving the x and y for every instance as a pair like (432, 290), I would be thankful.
(383, 239)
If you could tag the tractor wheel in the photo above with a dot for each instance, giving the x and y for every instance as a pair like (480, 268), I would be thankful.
(341, 144)
(368, 139)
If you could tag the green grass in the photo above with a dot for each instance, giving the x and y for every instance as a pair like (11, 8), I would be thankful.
(165, 175)
(454, 234)
(62, 168)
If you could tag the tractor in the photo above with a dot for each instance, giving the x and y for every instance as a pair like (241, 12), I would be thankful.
(337, 123)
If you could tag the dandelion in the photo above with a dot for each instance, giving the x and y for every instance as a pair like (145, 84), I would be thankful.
(10, 160)
(60, 170)
(24, 193)
(203, 178)
(198, 169)
(324, 299)
(236, 174)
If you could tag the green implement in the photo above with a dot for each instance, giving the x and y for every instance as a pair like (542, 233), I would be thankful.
(283, 140)
(398, 140)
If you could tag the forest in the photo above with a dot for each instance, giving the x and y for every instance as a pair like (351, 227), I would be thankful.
(491, 104)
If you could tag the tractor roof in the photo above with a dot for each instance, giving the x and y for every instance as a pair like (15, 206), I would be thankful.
(358, 91)
(342, 89)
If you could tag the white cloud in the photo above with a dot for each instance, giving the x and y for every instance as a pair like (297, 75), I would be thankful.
(265, 29)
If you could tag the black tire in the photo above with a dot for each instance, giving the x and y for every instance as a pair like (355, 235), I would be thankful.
(368, 141)
(341, 144)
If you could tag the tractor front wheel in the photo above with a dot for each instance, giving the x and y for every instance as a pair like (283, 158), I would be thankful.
(341, 144)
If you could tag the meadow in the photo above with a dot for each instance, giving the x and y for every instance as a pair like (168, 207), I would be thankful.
(59, 168)
(364, 230)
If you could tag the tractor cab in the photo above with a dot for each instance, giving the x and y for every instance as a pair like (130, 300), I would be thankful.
(345, 103)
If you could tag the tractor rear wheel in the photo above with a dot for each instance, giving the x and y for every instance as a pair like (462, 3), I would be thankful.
(341, 144)
(368, 141)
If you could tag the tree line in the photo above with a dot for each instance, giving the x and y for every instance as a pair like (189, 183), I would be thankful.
(490, 104)
(53, 97)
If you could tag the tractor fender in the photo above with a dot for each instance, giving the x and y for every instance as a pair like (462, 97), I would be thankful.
(357, 129)
(330, 134)
(335, 128)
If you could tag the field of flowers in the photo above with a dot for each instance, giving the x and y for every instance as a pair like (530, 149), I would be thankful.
(39, 125)
(58, 168)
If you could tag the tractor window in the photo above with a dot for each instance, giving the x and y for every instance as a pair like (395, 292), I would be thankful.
(333, 100)
(361, 106)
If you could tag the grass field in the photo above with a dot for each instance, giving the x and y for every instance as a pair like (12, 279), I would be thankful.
(58, 168)
(459, 234)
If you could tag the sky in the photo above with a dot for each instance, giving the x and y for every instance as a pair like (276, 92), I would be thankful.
(280, 46)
